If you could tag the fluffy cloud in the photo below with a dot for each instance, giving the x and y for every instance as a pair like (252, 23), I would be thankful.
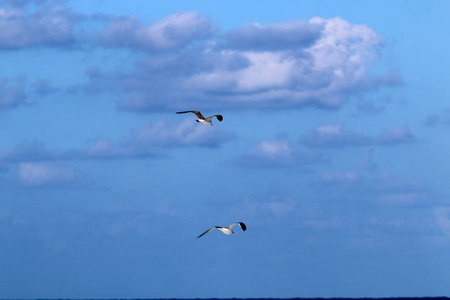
(50, 25)
(277, 153)
(336, 136)
(172, 32)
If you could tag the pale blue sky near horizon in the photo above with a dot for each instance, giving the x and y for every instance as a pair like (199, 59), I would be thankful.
(333, 149)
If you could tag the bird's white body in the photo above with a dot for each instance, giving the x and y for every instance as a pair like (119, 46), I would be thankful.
(205, 122)
(226, 230)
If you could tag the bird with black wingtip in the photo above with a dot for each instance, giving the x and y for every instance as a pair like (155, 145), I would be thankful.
(226, 230)
(201, 118)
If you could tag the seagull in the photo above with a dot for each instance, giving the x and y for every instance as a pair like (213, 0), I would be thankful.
(201, 118)
(225, 230)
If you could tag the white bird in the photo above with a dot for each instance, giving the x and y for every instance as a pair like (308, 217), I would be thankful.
(226, 230)
(201, 118)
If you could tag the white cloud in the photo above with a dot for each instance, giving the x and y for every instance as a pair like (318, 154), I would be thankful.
(321, 74)
(273, 149)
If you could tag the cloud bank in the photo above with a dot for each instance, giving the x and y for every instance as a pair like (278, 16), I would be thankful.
(186, 60)
(321, 63)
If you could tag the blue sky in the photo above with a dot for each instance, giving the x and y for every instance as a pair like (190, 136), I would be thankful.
(333, 149)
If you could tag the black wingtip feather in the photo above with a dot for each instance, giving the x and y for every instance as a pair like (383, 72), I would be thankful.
(243, 226)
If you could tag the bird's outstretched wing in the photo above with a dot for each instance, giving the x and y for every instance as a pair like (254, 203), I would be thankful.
(212, 228)
(196, 112)
(242, 225)
(219, 117)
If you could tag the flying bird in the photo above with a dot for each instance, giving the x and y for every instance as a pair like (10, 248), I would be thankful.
(201, 118)
(225, 230)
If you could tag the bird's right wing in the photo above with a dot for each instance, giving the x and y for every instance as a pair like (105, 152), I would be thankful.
(241, 224)
(219, 117)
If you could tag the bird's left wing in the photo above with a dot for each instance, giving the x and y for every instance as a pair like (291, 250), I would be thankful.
(212, 228)
(196, 112)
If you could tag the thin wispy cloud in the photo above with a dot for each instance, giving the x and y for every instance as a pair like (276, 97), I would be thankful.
(439, 118)
(12, 94)
(148, 141)
(267, 209)
(33, 174)
(442, 218)
(337, 136)
(44, 87)
(278, 154)
(378, 187)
